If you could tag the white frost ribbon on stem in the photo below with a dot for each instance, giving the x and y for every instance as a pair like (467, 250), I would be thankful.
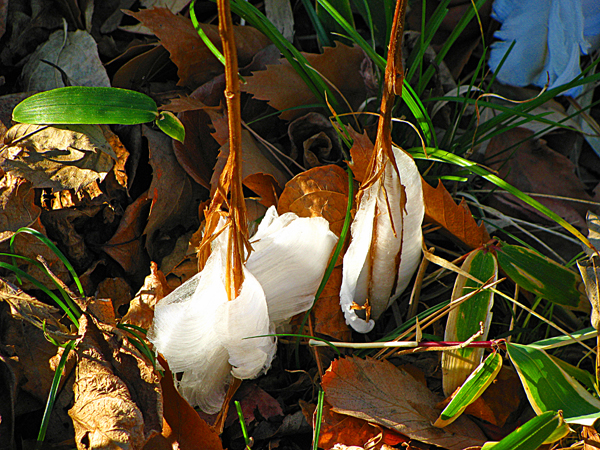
(382, 258)
(209, 339)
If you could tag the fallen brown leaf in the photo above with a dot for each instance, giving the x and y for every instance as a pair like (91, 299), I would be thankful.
(141, 308)
(195, 62)
(318, 192)
(283, 88)
(117, 398)
(454, 219)
(327, 315)
(379, 392)
(361, 151)
(534, 168)
(342, 429)
(17, 207)
(183, 428)
(58, 157)
(170, 192)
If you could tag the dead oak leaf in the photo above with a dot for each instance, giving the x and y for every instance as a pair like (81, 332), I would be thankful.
(195, 62)
(117, 399)
(457, 220)
(58, 157)
(381, 393)
(17, 207)
(283, 88)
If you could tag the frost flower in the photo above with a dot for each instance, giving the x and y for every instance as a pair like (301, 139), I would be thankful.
(386, 243)
(549, 37)
(202, 334)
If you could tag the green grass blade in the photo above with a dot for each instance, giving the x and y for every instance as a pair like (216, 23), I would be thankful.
(47, 291)
(434, 154)
(330, 23)
(247, 438)
(318, 419)
(471, 389)
(322, 34)
(548, 387)
(545, 428)
(456, 31)
(52, 395)
(44, 239)
(214, 50)
(86, 105)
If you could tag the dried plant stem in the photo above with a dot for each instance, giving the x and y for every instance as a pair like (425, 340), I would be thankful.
(229, 191)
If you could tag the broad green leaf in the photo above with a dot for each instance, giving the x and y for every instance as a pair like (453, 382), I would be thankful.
(86, 105)
(545, 428)
(171, 126)
(541, 276)
(561, 341)
(550, 388)
(464, 320)
(583, 376)
(471, 390)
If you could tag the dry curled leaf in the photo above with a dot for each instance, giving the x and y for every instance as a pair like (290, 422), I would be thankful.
(117, 399)
(283, 88)
(457, 220)
(381, 393)
(17, 207)
(58, 157)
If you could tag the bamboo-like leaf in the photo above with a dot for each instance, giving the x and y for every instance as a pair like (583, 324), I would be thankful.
(541, 276)
(471, 389)
(464, 320)
(86, 105)
(550, 388)
(545, 428)
(171, 126)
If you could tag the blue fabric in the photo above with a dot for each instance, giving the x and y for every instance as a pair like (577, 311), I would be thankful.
(549, 36)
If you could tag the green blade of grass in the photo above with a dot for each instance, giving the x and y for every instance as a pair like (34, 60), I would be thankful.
(54, 249)
(52, 395)
(434, 154)
(318, 419)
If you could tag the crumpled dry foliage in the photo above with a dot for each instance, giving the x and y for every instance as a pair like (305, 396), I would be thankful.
(117, 394)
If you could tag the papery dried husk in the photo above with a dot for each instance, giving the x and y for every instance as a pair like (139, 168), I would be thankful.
(386, 242)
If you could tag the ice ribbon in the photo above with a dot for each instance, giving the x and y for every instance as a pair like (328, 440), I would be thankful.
(381, 259)
(549, 36)
(203, 335)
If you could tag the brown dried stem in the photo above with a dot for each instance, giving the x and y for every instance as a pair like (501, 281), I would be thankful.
(229, 190)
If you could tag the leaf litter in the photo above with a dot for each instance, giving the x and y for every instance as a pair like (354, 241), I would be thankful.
(131, 205)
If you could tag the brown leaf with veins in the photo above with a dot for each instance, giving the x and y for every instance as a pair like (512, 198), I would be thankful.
(361, 151)
(117, 398)
(381, 393)
(195, 62)
(456, 220)
(141, 308)
(318, 192)
(17, 207)
(126, 246)
(327, 315)
(58, 157)
(256, 161)
(170, 191)
(534, 168)
(283, 88)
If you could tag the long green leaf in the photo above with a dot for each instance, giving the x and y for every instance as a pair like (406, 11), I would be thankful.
(471, 389)
(541, 275)
(464, 320)
(545, 428)
(550, 388)
(171, 126)
(86, 105)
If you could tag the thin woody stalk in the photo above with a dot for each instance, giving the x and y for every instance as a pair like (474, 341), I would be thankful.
(231, 179)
